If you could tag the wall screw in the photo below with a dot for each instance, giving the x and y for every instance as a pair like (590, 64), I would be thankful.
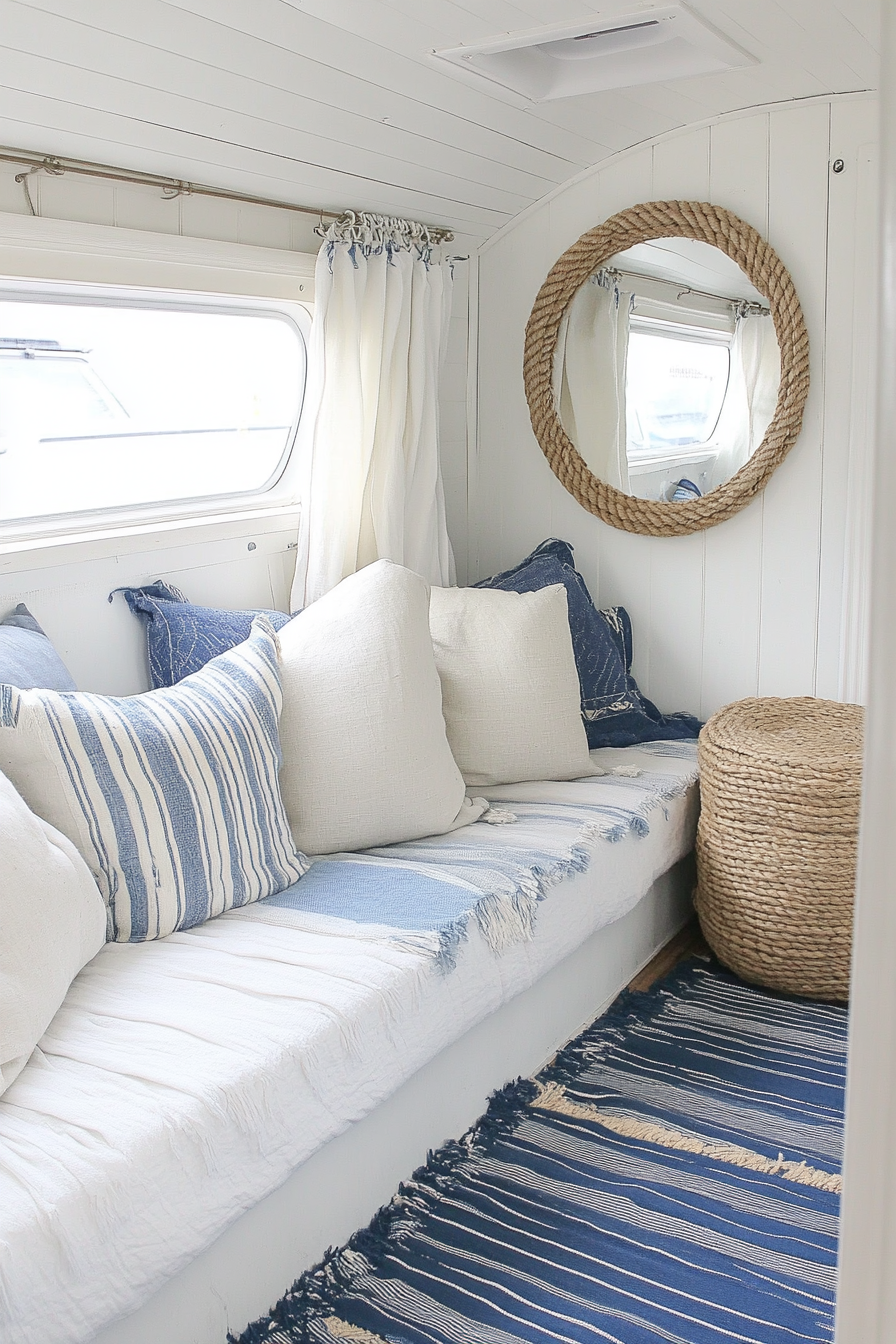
(838, 165)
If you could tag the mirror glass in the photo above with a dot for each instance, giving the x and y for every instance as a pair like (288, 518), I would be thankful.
(666, 369)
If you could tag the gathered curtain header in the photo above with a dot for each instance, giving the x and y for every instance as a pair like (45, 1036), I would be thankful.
(370, 234)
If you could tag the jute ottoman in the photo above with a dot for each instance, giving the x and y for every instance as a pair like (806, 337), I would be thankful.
(776, 841)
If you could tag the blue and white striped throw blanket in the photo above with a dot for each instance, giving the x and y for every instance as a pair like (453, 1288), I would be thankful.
(423, 894)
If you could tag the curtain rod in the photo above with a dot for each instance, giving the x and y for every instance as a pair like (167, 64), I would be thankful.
(749, 304)
(171, 187)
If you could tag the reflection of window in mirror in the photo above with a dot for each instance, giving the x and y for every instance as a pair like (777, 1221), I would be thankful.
(666, 370)
(676, 381)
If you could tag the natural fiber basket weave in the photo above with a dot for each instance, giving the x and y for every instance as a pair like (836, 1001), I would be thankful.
(776, 842)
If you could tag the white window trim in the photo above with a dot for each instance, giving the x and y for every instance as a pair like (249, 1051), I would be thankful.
(100, 254)
(153, 267)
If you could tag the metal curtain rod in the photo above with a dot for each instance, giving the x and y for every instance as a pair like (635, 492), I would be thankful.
(688, 289)
(171, 187)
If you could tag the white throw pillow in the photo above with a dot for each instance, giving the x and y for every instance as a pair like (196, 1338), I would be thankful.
(510, 689)
(52, 921)
(365, 756)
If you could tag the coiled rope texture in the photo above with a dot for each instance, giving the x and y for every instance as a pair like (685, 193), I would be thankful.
(777, 840)
(759, 261)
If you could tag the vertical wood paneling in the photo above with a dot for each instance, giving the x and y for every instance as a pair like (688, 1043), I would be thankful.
(731, 610)
(590, 199)
(514, 479)
(849, 397)
(453, 420)
(624, 561)
(471, 568)
(743, 608)
(855, 632)
(681, 169)
(739, 167)
(791, 534)
(733, 551)
(676, 624)
(583, 205)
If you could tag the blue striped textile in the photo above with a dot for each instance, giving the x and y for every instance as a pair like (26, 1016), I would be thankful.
(545, 1226)
(424, 893)
(172, 797)
(730, 1043)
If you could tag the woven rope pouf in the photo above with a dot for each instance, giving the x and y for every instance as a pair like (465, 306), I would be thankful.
(776, 843)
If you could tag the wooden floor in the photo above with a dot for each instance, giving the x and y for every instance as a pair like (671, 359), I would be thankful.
(688, 943)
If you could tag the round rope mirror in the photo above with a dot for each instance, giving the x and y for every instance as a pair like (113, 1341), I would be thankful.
(763, 267)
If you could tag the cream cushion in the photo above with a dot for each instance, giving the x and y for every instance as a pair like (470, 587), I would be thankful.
(510, 689)
(52, 922)
(365, 757)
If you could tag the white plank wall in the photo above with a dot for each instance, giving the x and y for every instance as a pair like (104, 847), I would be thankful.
(758, 605)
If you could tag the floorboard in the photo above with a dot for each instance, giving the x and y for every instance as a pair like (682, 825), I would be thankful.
(688, 943)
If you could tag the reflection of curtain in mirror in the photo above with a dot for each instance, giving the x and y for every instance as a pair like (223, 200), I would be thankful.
(752, 393)
(589, 376)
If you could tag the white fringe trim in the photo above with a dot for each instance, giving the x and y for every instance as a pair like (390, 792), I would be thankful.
(343, 1330)
(553, 1097)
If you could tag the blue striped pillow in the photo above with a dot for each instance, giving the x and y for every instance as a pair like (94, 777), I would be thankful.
(172, 797)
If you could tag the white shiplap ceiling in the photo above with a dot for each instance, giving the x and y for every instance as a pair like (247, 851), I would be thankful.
(339, 103)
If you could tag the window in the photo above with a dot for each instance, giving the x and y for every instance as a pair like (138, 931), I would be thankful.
(146, 406)
(676, 380)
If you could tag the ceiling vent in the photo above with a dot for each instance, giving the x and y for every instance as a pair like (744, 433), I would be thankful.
(645, 46)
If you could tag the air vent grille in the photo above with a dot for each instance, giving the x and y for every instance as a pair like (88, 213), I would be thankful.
(643, 47)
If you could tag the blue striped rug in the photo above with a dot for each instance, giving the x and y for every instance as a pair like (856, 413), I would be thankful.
(673, 1176)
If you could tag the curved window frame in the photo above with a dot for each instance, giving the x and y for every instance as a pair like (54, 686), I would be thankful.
(280, 491)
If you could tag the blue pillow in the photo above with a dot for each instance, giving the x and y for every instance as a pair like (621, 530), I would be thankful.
(614, 711)
(182, 637)
(27, 658)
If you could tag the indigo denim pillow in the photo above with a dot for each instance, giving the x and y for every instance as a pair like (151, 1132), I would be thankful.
(614, 711)
(27, 658)
(182, 637)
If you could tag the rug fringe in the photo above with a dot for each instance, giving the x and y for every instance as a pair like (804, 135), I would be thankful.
(553, 1097)
(345, 1330)
(310, 1309)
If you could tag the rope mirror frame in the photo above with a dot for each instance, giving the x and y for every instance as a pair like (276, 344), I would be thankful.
(764, 268)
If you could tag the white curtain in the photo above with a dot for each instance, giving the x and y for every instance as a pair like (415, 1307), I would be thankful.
(369, 443)
(752, 393)
(589, 376)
